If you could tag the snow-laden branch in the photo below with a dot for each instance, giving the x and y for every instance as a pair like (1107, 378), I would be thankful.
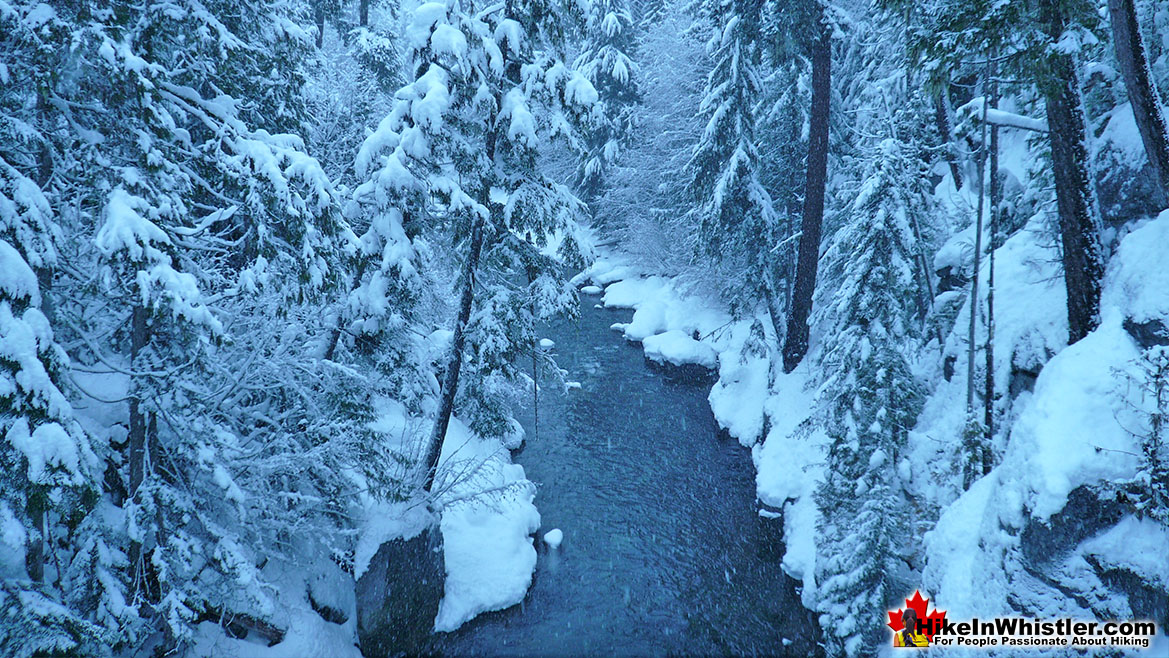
(973, 111)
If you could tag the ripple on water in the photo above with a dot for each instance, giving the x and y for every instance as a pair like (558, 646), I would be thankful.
(663, 552)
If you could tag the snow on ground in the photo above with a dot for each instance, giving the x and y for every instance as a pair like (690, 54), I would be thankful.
(307, 632)
(790, 464)
(390, 520)
(1136, 545)
(1072, 431)
(488, 519)
(1030, 327)
(675, 347)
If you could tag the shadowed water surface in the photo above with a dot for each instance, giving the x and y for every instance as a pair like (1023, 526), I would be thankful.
(663, 551)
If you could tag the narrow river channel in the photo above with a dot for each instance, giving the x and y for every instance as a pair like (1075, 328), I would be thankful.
(663, 550)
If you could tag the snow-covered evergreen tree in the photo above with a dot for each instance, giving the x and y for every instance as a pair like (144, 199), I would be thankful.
(606, 60)
(487, 89)
(47, 468)
(193, 226)
(737, 223)
(871, 401)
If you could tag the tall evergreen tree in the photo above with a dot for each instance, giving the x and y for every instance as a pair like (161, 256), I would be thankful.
(192, 225)
(1142, 92)
(47, 467)
(606, 60)
(1038, 39)
(487, 89)
(872, 403)
(736, 221)
(795, 345)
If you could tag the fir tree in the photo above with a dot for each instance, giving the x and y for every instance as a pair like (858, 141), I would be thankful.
(486, 89)
(606, 60)
(872, 402)
(736, 221)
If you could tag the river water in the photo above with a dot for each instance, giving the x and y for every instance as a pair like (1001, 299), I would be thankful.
(663, 551)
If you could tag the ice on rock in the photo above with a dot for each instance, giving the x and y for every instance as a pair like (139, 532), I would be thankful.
(591, 290)
(553, 538)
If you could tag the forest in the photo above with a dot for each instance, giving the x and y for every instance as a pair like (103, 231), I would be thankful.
(295, 298)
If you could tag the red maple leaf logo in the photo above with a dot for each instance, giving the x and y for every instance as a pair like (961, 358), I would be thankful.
(919, 605)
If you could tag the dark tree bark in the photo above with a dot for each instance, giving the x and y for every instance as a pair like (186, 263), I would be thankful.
(1082, 254)
(363, 13)
(1083, 260)
(996, 195)
(320, 19)
(450, 384)
(137, 438)
(942, 121)
(796, 344)
(1146, 107)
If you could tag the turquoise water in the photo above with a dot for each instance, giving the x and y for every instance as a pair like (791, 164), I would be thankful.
(663, 551)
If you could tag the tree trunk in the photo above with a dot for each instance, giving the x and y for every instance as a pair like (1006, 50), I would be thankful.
(137, 437)
(996, 194)
(1083, 260)
(335, 335)
(971, 346)
(363, 13)
(450, 383)
(796, 344)
(320, 18)
(137, 418)
(942, 120)
(1146, 106)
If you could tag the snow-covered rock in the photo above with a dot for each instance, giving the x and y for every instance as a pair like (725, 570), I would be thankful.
(553, 538)
(487, 538)
(677, 348)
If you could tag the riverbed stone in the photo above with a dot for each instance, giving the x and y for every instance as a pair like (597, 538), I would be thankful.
(398, 596)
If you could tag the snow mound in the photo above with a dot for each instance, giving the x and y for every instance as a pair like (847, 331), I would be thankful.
(553, 537)
(659, 308)
(1070, 435)
(1073, 431)
(738, 398)
(676, 348)
(1138, 545)
(1138, 282)
(790, 464)
(487, 523)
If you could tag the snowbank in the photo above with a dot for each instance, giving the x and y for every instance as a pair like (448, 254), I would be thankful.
(738, 397)
(488, 517)
(487, 523)
(790, 464)
(307, 632)
(1030, 327)
(675, 347)
(1072, 432)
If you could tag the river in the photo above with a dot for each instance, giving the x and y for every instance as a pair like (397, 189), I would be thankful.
(663, 551)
